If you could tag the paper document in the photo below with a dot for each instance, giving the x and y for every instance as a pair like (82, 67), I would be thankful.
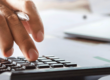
(57, 21)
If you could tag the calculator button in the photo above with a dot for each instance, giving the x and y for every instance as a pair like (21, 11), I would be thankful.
(11, 60)
(44, 66)
(19, 61)
(5, 62)
(20, 57)
(22, 64)
(2, 60)
(56, 65)
(4, 70)
(32, 61)
(48, 55)
(14, 67)
(0, 65)
(50, 62)
(37, 63)
(70, 65)
(29, 66)
(8, 65)
(43, 58)
(18, 69)
(24, 60)
(58, 60)
(3, 67)
(52, 58)
(63, 62)
(16, 62)
(14, 59)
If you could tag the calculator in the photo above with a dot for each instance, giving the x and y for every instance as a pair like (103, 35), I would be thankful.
(47, 67)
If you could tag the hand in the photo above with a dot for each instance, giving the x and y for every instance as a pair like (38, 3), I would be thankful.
(12, 29)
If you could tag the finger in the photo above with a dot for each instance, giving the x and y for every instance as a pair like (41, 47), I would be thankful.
(29, 8)
(6, 40)
(27, 26)
(20, 35)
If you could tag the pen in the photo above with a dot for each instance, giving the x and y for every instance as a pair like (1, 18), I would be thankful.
(22, 16)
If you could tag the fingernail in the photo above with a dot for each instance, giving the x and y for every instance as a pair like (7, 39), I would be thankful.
(9, 52)
(33, 55)
(40, 36)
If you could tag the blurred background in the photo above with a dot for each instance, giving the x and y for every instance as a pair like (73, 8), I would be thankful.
(63, 4)
(61, 15)
(99, 6)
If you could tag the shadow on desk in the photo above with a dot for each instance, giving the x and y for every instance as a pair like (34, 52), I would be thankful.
(83, 40)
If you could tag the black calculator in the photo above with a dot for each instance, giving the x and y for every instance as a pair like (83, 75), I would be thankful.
(48, 67)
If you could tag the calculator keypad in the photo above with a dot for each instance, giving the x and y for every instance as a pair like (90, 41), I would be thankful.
(20, 63)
